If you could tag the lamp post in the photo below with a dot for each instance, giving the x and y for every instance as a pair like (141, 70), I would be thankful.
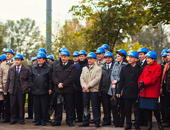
(48, 24)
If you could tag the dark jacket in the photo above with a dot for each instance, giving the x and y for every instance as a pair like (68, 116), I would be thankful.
(168, 81)
(64, 74)
(24, 78)
(77, 85)
(106, 78)
(128, 84)
(41, 79)
(142, 65)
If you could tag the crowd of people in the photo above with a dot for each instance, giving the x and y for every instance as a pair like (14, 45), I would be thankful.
(97, 88)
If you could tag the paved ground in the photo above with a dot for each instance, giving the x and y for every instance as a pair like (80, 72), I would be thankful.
(29, 126)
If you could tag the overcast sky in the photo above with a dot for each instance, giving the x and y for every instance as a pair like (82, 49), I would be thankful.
(35, 9)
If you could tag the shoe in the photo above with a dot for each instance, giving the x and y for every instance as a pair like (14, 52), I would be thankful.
(160, 126)
(166, 124)
(28, 118)
(106, 123)
(6, 121)
(37, 123)
(70, 124)
(92, 121)
(128, 127)
(21, 122)
(136, 127)
(84, 125)
(55, 123)
(149, 126)
(43, 123)
(13, 122)
(97, 125)
(78, 121)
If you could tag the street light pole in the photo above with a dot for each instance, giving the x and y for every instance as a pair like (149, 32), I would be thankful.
(48, 24)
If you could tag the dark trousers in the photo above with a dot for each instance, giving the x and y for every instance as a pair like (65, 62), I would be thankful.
(40, 104)
(30, 105)
(78, 98)
(128, 106)
(6, 107)
(92, 97)
(165, 107)
(106, 104)
(17, 103)
(1, 108)
(69, 107)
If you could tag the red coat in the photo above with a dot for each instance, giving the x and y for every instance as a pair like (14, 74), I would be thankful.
(151, 76)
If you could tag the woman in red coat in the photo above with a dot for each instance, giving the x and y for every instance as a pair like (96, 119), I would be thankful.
(150, 85)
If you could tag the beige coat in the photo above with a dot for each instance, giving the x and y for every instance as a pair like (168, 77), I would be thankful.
(90, 77)
(4, 67)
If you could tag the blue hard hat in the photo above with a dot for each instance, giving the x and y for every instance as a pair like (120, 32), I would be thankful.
(168, 51)
(65, 53)
(33, 58)
(133, 54)
(92, 55)
(76, 53)
(51, 57)
(164, 54)
(41, 55)
(9, 51)
(3, 57)
(62, 49)
(122, 51)
(151, 54)
(108, 54)
(106, 47)
(19, 56)
(100, 50)
(42, 50)
(164, 50)
(82, 52)
(143, 50)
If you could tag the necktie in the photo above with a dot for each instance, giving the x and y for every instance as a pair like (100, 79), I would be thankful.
(17, 70)
(108, 66)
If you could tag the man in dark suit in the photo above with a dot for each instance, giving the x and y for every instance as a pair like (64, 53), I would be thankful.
(139, 114)
(128, 86)
(63, 79)
(142, 58)
(17, 85)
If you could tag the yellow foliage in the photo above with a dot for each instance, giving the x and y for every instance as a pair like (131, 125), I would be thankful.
(129, 46)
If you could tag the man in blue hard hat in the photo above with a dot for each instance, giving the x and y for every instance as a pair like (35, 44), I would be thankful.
(142, 58)
(10, 54)
(18, 84)
(76, 57)
(128, 86)
(3, 79)
(100, 56)
(104, 87)
(78, 98)
(9, 62)
(90, 80)
(164, 56)
(41, 88)
(50, 59)
(63, 80)
(166, 84)
(106, 47)
(164, 98)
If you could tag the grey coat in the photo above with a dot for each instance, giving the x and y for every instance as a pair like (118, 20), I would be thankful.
(115, 75)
